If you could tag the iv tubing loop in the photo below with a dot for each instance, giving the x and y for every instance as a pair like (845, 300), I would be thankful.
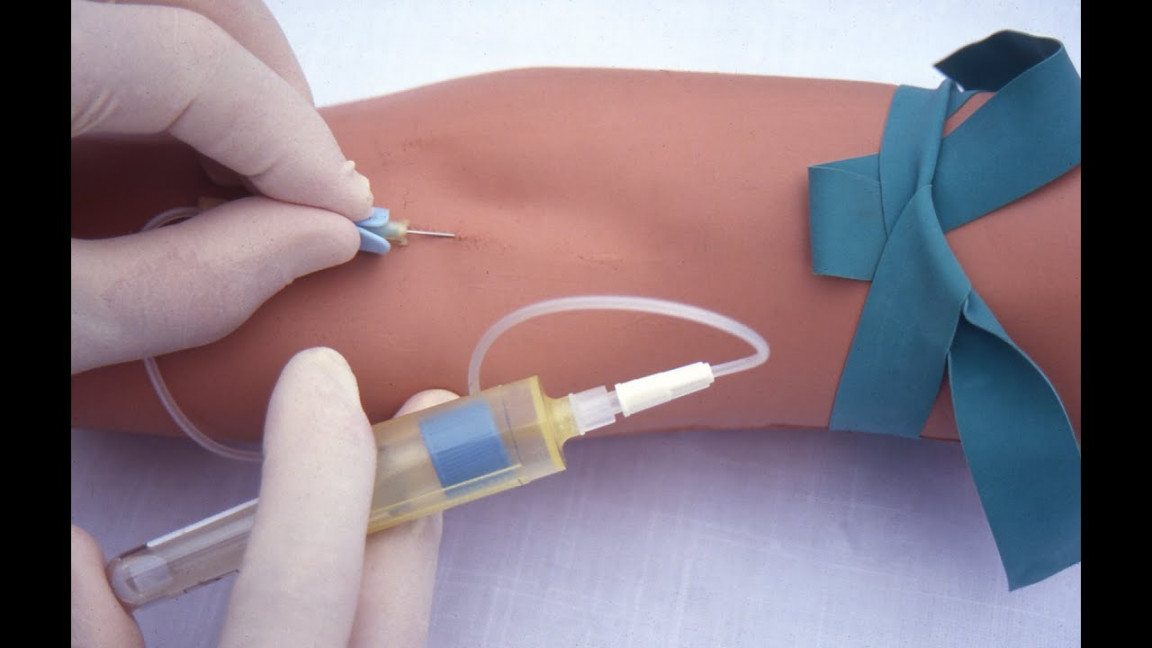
(623, 303)
(158, 384)
(561, 305)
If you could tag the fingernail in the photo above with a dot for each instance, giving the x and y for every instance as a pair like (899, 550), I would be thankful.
(327, 363)
(363, 186)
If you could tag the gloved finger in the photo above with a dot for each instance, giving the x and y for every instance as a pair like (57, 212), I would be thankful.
(147, 69)
(255, 28)
(400, 570)
(98, 619)
(191, 283)
(301, 572)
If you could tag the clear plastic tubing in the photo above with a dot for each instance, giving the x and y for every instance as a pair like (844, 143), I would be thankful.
(623, 303)
(153, 370)
(456, 452)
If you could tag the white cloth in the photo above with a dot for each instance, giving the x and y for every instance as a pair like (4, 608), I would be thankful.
(745, 538)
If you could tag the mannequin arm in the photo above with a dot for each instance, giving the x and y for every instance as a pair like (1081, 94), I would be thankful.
(690, 187)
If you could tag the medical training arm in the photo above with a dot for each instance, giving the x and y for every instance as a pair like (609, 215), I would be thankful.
(684, 186)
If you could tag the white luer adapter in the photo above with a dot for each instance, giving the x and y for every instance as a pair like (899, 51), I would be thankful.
(597, 407)
(657, 389)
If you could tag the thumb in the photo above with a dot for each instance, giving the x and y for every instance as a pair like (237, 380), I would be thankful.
(194, 282)
(98, 619)
(301, 571)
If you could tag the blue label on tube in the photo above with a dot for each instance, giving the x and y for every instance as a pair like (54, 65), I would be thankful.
(464, 443)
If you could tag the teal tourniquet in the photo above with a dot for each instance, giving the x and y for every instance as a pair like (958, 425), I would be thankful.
(882, 218)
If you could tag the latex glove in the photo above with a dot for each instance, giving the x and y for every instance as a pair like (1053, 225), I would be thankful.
(308, 576)
(222, 79)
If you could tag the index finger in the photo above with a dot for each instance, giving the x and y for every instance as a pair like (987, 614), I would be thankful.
(254, 27)
(149, 69)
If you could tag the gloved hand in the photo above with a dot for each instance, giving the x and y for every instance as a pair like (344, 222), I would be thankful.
(308, 577)
(221, 78)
